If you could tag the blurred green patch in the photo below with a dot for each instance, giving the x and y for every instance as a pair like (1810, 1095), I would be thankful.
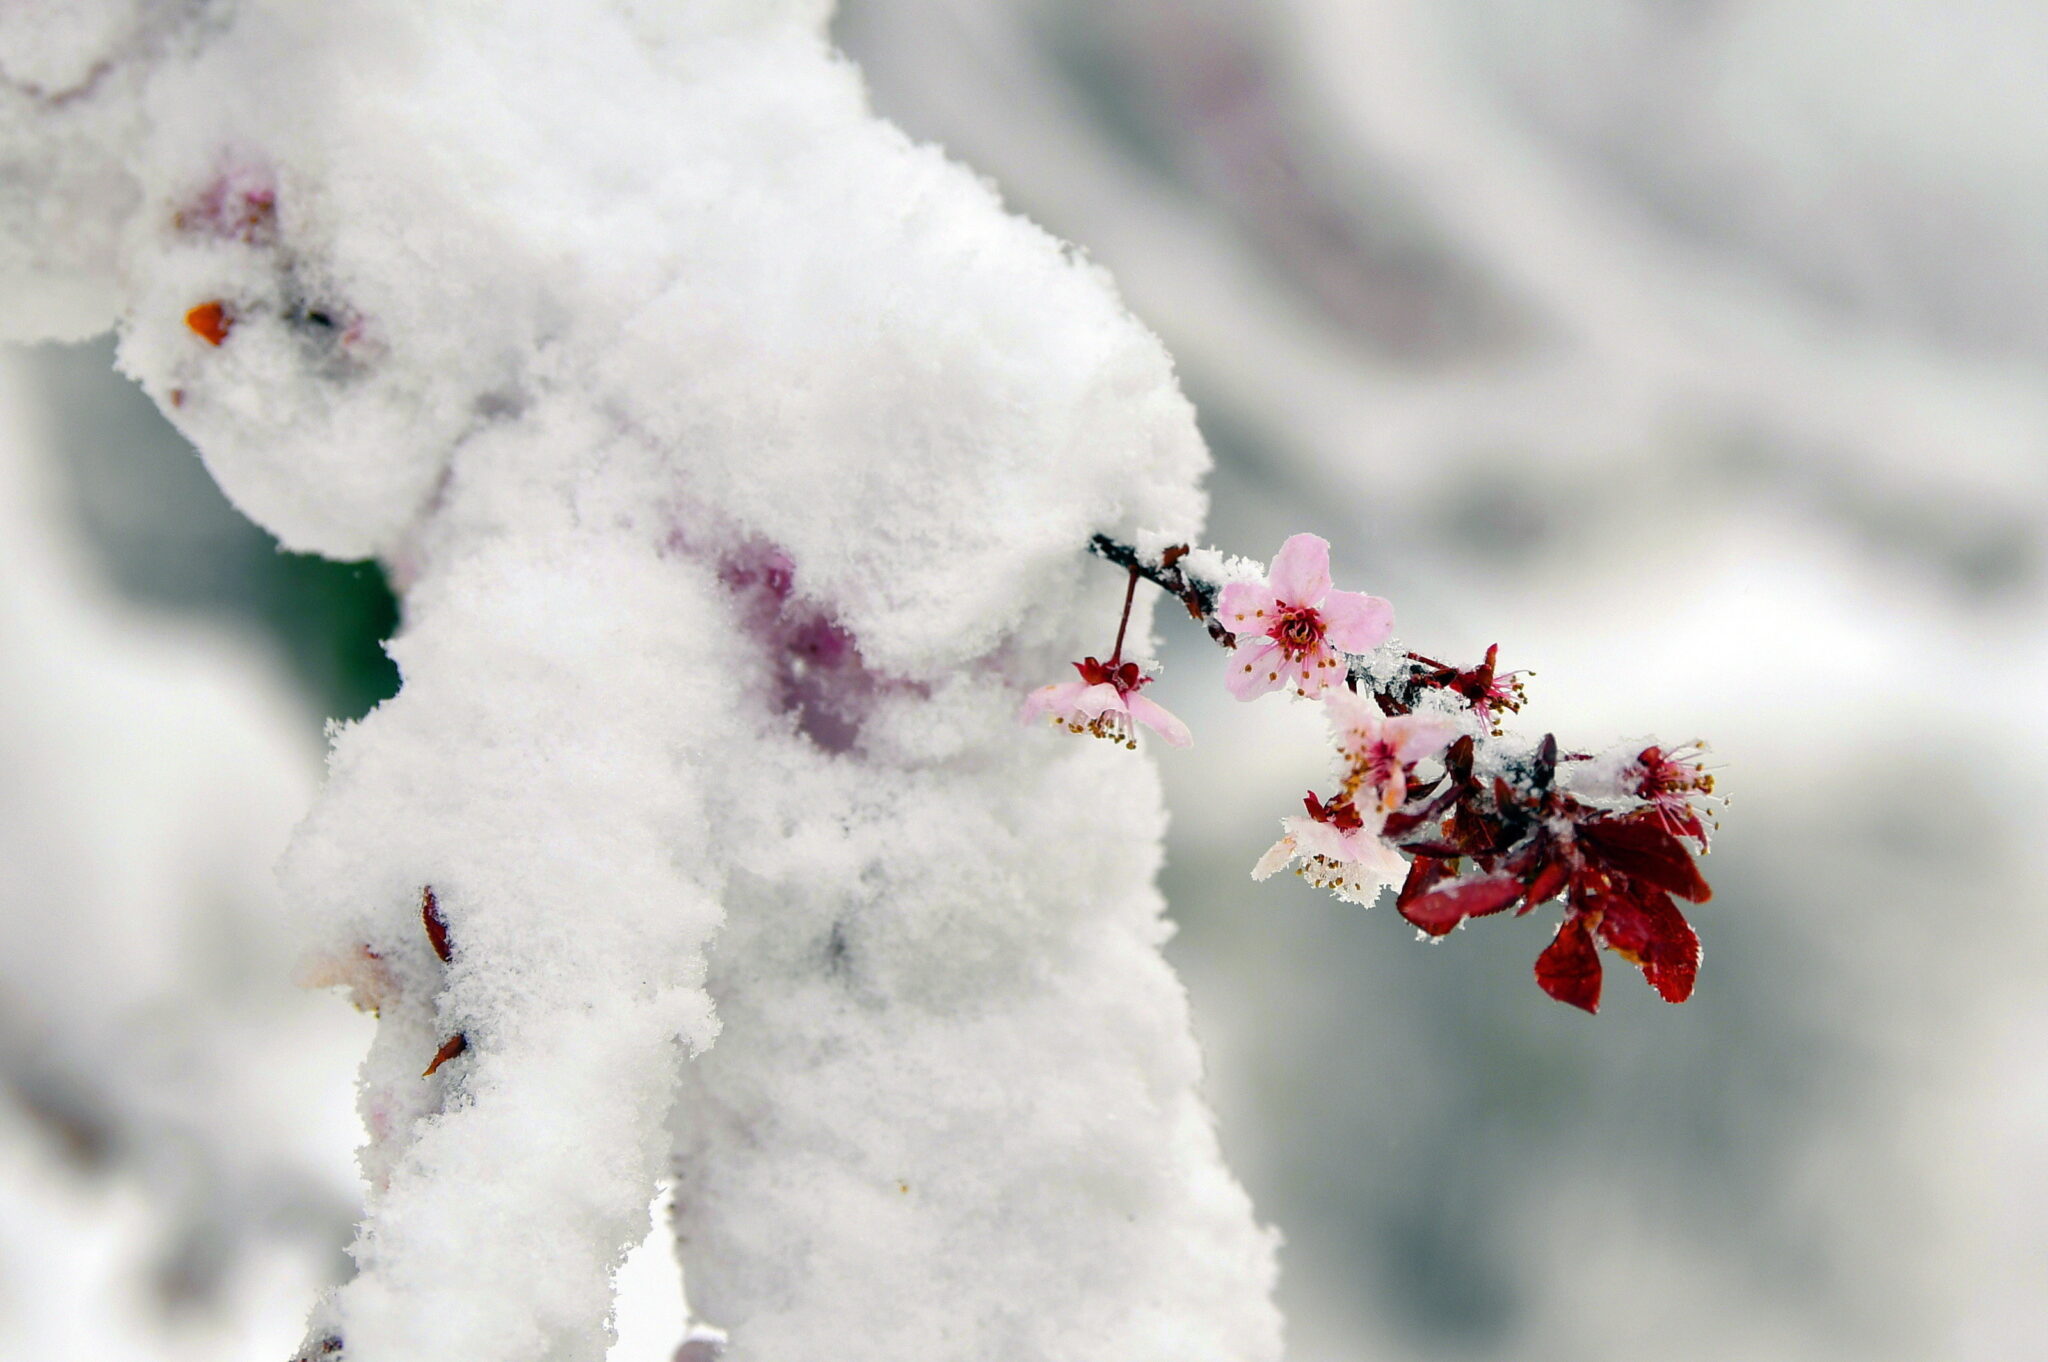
(166, 537)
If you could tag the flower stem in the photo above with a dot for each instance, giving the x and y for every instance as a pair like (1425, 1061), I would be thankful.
(1116, 654)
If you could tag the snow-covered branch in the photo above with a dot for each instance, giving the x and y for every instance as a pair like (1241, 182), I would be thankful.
(675, 388)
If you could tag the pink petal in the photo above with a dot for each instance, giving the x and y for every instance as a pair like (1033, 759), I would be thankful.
(1253, 670)
(1416, 736)
(1320, 839)
(1057, 699)
(1387, 865)
(1317, 670)
(1247, 607)
(1098, 700)
(1276, 858)
(1156, 718)
(1300, 574)
(1356, 622)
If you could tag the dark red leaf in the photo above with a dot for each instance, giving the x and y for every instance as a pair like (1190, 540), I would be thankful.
(1425, 873)
(1400, 824)
(437, 929)
(1473, 832)
(1673, 962)
(1648, 930)
(1646, 852)
(1458, 760)
(1547, 883)
(1442, 910)
(450, 1048)
(1569, 968)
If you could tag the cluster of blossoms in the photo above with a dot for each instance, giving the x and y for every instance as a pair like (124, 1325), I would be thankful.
(1433, 800)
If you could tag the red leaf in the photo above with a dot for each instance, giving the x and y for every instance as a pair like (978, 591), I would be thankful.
(1569, 968)
(437, 928)
(1443, 909)
(1673, 961)
(1649, 931)
(1646, 852)
(450, 1048)
(1425, 873)
(1547, 884)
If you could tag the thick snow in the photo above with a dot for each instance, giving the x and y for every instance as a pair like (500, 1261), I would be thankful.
(739, 458)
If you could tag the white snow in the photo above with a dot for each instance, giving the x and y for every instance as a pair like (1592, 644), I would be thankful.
(739, 458)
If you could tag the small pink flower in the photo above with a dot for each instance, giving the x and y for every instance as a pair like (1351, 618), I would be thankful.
(1106, 703)
(1292, 625)
(1677, 788)
(1339, 847)
(1381, 749)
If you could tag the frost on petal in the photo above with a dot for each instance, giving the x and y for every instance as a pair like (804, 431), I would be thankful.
(1276, 858)
(1317, 838)
(1356, 622)
(1301, 570)
(1254, 669)
(1417, 737)
(1247, 607)
(1353, 718)
(1159, 720)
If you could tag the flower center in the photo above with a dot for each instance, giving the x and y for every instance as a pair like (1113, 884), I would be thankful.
(1298, 630)
(1339, 813)
(1125, 678)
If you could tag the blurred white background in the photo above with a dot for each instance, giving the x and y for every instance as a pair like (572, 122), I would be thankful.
(1691, 350)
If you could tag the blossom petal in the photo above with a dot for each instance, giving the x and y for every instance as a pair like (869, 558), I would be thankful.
(1320, 839)
(1247, 607)
(1057, 699)
(1356, 622)
(1096, 701)
(1276, 858)
(1317, 670)
(1414, 737)
(1300, 574)
(1254, 670)
(1159, 720)
(1569, 968)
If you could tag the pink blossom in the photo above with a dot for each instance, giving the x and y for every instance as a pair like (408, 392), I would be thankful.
(1292, 626)
(1106, 703)
(1339, 847)
(1381, 748)
(1677, 788)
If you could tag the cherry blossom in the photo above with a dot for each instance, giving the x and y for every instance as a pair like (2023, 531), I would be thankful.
(1106, 703)
(1676, 787)
(1382, 748)
(1293, 626)
(1495, 829)
(1339, 847)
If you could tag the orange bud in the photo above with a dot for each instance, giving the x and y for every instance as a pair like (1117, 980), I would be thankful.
(210, 322)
